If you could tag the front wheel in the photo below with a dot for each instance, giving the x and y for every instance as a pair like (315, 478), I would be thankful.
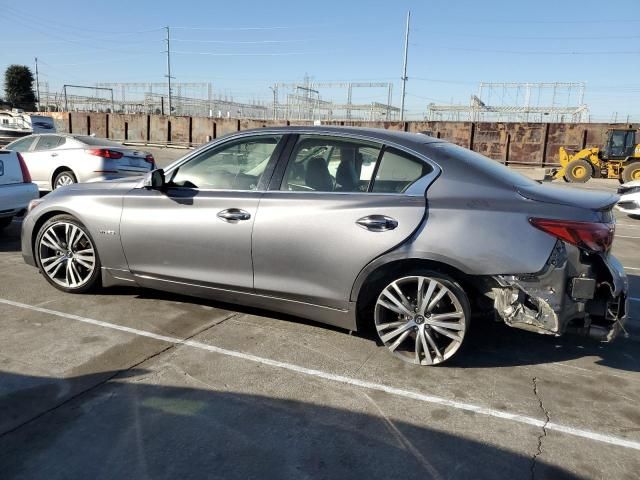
(67, 256)
(422, 318)
(578, 171)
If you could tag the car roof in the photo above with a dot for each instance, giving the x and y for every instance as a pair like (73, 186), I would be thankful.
(383, 135)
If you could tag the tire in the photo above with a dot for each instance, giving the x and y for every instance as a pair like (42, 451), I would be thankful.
(65, 177)
(426, 333)
(578, 171)
(631, 172)
(67, 256)
(5, 222)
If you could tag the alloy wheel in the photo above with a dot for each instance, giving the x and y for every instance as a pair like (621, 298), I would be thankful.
(420, 320)
(64, 179)
(67, 255)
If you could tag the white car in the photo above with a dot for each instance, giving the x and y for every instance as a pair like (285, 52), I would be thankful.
(629, 202)
(56, 160)
(16, 189)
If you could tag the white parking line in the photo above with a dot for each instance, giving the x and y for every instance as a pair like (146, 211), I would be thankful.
(514, 417)
(624, 236)
(628, 225)
(631, 268)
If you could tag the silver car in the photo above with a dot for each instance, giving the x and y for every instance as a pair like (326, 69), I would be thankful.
(403, 233)
(55, 160)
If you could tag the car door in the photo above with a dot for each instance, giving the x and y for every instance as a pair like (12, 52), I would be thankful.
(338, 204)
(42, 160)
(197, 231)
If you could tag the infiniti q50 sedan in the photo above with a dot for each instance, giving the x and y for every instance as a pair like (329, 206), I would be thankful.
(403, 233)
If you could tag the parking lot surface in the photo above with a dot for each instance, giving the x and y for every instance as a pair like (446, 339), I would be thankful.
(132, 383)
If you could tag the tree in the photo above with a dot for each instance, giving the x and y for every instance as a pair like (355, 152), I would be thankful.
(18, 87)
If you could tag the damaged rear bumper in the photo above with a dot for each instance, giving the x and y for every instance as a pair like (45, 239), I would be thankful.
(576, 291)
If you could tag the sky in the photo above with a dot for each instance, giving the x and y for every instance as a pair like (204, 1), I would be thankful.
(243, 47)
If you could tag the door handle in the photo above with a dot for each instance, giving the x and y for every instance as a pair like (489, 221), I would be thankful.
(233, 215)
(54, 154)
(377, 223)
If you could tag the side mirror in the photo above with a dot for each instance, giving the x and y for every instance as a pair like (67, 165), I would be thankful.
(154, 180)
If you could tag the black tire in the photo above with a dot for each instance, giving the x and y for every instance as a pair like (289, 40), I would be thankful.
(58, 181)
(5, 222)
(93, 278)
(407, 350)
(631, 171)
(578, 171)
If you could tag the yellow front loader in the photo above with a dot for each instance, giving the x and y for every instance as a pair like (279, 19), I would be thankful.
(619, 159)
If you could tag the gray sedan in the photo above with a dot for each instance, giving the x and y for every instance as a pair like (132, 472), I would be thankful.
(403, 233)
(55, 160)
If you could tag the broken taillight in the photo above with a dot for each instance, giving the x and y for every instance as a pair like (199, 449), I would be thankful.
(595, 237)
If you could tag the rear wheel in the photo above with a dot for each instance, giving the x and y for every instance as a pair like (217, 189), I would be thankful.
(67, 256)
(66, 177)
(578, 171)
(631, 172)
(422, 318)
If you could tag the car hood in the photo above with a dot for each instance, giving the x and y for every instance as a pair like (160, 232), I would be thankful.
(593, 200)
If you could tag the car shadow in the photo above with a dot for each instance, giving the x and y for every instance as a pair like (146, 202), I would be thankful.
(134, 428)
(10, 237)
(488, 344)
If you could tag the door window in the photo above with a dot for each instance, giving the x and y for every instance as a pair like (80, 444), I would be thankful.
(235, 165)
(47, 142)
(397, 171)
(329, 164)
(23, 144)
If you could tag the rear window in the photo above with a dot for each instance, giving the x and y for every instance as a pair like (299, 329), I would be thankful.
(447, 152)
(96, 141)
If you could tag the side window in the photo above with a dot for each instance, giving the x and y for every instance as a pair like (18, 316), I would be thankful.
(23, 144)
(47, 142)
(330, 164)
(397, 171)
(233, 166)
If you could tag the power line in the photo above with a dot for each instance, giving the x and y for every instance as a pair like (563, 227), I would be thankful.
(256, 54)
(238, 42)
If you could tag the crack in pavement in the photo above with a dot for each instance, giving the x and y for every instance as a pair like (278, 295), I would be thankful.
(111, 377)
(543, 434)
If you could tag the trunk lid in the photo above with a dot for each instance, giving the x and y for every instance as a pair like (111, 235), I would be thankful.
(133, 162)
(596, 200)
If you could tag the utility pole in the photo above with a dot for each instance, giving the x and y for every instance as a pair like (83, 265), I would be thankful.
(274, 89)
(404, 68)
(168, 75)
(37, 87)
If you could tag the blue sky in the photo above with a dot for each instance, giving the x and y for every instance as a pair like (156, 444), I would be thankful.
(245, 46)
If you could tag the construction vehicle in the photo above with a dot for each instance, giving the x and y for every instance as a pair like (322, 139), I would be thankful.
(619, 159)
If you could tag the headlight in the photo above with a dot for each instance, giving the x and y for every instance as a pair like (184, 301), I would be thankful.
(34, 203)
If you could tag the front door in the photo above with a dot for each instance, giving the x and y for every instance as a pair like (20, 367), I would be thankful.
(197, 230)
(340, 204)
(42, 160)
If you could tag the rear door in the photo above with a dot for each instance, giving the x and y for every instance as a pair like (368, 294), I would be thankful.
(334, 206)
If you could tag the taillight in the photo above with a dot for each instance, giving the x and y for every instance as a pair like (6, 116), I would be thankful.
(149, 159)
(26, 176)
(596, 237)
(105, 153)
